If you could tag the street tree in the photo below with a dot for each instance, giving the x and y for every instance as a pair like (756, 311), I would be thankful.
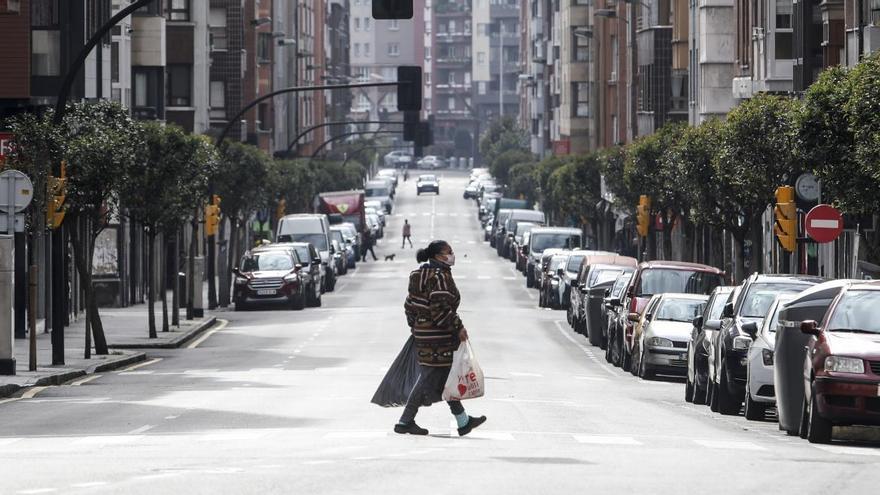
(501, 165)
(543, 172)
(522, 183)
(757, 154)
(503, 134)
(575, 189)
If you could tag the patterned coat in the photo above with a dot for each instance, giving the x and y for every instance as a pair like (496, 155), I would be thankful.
(431, 312)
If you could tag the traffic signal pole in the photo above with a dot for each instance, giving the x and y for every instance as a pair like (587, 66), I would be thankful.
(58, 251)
(305, 132)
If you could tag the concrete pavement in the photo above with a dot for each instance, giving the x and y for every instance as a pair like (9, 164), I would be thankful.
(277, 401)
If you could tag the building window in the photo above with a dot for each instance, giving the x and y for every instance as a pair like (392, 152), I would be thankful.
(450, 77)
(357, 49)
(393, 49)
(783, 38)
(217, 23)
(263, 123)
(783, 14)
(46, 52)
(481, 87)
(147, 92)
(582, 2)
(357, 23)
(179, 85)
(450, 103)
(395, 25)
(427, 78)
(366, 23)
(177, 10)
(481, 57)
(482, 29)
(264, 48)
(44, 13)
(783, 46)
(427, 53)
(615, 58)
(366, 49)
(218, 100)
(581, 99)
(114, 62)
(581, 52)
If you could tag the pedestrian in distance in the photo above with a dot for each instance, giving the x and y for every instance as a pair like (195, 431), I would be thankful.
(407, 232)
(368, 242)
(432, 314)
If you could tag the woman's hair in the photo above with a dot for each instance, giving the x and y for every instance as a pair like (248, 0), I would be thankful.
(433, 249)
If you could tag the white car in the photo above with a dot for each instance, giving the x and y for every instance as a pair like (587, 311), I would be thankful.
(662, 333)
(393, 157)
(378, 210)
(391, 173)
(431, 162)
(760, 390)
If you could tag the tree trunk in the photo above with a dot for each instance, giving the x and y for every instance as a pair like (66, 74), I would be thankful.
(190, 272)
(175, 286)
(163, 285)
(223, 275)
(151, 282)
(82, 259)
(232, 255)
(738, 246)
(668, 225)
(757, 238)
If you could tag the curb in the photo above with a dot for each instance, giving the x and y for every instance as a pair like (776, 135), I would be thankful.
(67, 375)
(173, 343)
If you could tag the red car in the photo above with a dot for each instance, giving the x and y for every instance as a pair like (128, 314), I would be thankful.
(269, 274)
(843, 386)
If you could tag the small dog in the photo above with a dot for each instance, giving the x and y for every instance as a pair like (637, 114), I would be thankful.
(390, 257)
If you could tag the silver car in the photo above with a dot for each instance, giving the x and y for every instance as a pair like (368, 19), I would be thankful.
(760, 390)
(663, 332)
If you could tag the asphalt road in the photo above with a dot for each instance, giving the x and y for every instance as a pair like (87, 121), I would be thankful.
(277, 401)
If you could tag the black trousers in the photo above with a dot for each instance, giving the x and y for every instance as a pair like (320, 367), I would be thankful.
(368, 249)
(405, 239)
(430, 383)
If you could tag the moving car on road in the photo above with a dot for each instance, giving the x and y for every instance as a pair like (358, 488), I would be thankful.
(545, 238)
(760, 392)
(662, 333)
(842, 373)
(427, 183)
(699, 346)
(431, 162)
(727, 371)
(659, 277)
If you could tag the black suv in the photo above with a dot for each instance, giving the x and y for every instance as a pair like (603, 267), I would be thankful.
(743, 313)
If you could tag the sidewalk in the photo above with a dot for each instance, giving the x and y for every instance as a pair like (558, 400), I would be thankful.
(125, 329)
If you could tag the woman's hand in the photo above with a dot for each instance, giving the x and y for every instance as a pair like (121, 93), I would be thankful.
(462, 335)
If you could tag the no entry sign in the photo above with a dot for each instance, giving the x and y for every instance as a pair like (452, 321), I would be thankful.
(823, 223)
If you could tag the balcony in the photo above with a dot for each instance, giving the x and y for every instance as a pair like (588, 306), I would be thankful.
(456, 37)
(452, 9)
(447, 88)
(451, 61)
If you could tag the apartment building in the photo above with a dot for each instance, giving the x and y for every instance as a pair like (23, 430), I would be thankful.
(711, 59)
(456, 127)
(228, 64)
(862, 30)
(337, 67)
(576, 80)
(536, 68)
(495, 62)
(612, 37)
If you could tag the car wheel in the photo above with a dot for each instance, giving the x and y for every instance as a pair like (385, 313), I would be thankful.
(568, 316)
(727, 403)
(311, 297)
(635, 364)
(298, 302)
(592, 333)
(625, 357)
(645, 371)
(530, 280)
(240, 306)
(540, 298)
(608, 350)
(700, 393)
(818, 428)
(688, 390)
(713, 396)
(754, 411)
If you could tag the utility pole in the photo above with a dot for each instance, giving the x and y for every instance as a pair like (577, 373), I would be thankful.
(634, 70)
(500, 68)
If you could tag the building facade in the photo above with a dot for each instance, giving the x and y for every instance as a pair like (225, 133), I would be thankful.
(456, 127)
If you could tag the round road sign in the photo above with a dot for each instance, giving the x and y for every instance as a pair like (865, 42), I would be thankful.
(823, 223)
(16, 185)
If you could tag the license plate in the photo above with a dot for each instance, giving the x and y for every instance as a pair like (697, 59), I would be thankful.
(683, 357)
(266, 292)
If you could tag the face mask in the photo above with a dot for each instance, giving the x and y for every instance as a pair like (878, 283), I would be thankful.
(450, 259)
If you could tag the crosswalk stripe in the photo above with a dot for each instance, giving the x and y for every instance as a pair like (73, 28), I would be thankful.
(842, 449)
(728, 445)
(606, 440)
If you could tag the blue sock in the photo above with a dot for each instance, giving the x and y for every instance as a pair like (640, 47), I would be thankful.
(462, 419)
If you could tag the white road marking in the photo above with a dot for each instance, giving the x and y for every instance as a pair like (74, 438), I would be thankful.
(484, 277)
(845, 449)
(32, 392)
(85, 380)
(89, 484)
(355, 434)
(471, 242)
(491, 435)
(521, 373)
(606, 440)
(142, 429)
(37, 490)
(583, 348)
(508, 278)
(8, 441)
(11, 399)
(141, 372)
(171, 417)
(728, 445)
(140, 365)
(220, 326)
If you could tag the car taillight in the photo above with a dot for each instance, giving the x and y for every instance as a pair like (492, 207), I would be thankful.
(633, 305)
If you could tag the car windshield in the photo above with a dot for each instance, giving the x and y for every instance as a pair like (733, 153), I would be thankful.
(858, 310)
(620, 284)
(540, 242)
(760, 296)
(337, 235)
(557, 262)
(663, 280)
(602, 276)
(271, 261)
(376, 192)
(427, 178)
(717, 307)
(574, 263)
(318, 240)
(679, 309)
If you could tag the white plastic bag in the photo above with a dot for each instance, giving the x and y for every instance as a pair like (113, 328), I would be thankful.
(465, 377)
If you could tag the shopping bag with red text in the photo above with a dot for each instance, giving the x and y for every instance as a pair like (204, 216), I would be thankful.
(465, 377)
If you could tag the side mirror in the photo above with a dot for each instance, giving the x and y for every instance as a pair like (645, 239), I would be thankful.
(810, 327)
(607, 292)
(713, 324)
(751, 328)
(728, 310)
(560, 272)
(633, 317)
(298, 266)
(698, 322)
(236, 271)
(525, 250)
(649, 316)
(614, 303)
(316, 261)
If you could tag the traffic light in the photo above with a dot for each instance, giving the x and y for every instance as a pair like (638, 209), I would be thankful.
(392, 9)
(786, 218)
(281, 209)
(212, 216)
(424, 137)
(410, 125)
(644, 215)
(56, 194)
(409, 91)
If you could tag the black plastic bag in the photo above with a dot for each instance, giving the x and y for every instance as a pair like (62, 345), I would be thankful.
(400, 379)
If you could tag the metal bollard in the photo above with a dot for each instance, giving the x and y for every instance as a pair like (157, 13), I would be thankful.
(198, 278)
(32, 316)
(7, 272)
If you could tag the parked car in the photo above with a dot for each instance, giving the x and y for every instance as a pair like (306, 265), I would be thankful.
(789, 357)
(544, 265)
(427, 183)
(545, 238)
(378, 190)
(377, 209)
(314, 229)
(727, 371)
(501, 216)
(550, 295)
(699, 345)
(393, 158)
(593, 301)
(352, 241)
(487, 205)
(267, 275)
(431, 162)
(471, 190)
(517, 239)
(841, 378)
(760, 390)
(343, 253)
(391, 173)
(659, 277)
(662, 332)
(508, 229)
(522, 257)
(616, 317)
(569, 278)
